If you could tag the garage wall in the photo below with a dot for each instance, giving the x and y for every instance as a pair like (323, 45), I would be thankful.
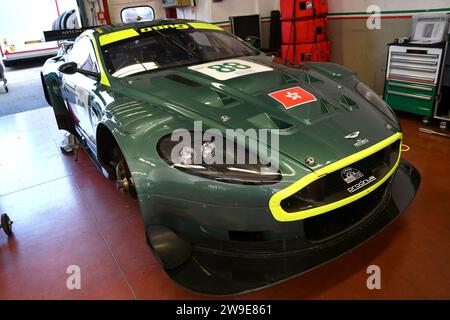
(364, 50)
(219, 13)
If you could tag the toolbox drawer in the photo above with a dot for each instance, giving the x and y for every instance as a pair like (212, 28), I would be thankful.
(414, 64)
(410, 97)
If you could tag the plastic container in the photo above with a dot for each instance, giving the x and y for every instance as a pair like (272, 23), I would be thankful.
(304, 31)
(318, 52)
(300, 9)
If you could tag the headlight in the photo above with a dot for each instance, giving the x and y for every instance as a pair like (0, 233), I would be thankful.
(375, 100)
(205, 157)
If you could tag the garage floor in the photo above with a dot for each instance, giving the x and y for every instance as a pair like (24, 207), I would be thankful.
(65, 213)
(25, 88)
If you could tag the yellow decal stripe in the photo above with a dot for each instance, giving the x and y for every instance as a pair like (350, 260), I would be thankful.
(202, 25)
(117, 36)
(283, 216)
(103, 77)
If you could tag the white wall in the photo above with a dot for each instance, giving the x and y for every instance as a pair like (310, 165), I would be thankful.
(343, 6)
(23, 20)
(266, 6)
(221, 11)
(201, 12)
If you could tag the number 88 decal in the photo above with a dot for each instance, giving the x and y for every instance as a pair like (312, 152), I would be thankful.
(229, 67)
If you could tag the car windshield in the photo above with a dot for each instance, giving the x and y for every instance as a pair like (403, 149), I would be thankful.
(158, 50)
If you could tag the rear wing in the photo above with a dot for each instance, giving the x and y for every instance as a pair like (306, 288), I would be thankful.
(67, 34)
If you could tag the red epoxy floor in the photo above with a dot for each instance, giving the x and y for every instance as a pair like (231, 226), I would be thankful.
(65, 213)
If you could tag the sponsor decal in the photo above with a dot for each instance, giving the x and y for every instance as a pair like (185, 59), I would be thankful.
(361, 184)
(177, 26)
(33, 41)
(229, 69)
(56, 35)
(353, 135)
(293, 97)
(350, 175)
(361, 142)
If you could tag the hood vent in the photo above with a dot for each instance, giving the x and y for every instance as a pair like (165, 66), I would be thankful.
(183, 80)
(263, 120)
(304, 77)
(348, 103)
(226, 100)
(288, 79)
(313, 79)
(281, 124)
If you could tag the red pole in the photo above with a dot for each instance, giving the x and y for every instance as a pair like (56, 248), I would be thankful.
(57, 8)
(106, 12)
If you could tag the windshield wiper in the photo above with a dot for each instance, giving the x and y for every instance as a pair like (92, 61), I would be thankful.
(229, 57)
(179, 45)
(162, 68)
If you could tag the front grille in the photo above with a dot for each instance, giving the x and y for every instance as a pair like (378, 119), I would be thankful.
(334, 223)
(346, 182)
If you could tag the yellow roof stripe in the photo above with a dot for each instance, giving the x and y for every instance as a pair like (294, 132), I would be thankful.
(117, 36)
(203, 25)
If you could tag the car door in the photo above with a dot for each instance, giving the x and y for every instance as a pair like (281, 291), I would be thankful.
(81, 91)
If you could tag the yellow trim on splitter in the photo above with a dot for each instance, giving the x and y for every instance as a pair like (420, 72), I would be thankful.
(283, 216)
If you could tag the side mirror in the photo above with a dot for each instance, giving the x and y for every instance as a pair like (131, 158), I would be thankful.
(68, 68)
(72, 68)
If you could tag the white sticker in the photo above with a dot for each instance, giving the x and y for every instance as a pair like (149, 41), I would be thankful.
(229, 69)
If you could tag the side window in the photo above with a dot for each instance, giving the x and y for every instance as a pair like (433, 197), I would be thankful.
(89, 64)
(83, 54)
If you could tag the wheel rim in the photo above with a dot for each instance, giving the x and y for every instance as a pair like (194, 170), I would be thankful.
(7, 224)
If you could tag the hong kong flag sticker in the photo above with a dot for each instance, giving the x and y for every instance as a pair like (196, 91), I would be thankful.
(293, 97)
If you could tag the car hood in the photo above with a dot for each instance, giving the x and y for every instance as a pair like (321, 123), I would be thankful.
(315, 129)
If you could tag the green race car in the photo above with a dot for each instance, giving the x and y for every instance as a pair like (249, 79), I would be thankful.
(248, 170)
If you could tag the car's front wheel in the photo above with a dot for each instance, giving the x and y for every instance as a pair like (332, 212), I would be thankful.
(124, 180)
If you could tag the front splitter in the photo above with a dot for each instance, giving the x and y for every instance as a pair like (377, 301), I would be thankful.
(221, 274)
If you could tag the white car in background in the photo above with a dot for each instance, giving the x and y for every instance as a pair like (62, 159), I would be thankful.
(26, 50)
(22, 26)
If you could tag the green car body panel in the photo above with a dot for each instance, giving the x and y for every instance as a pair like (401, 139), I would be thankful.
(138, 110)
